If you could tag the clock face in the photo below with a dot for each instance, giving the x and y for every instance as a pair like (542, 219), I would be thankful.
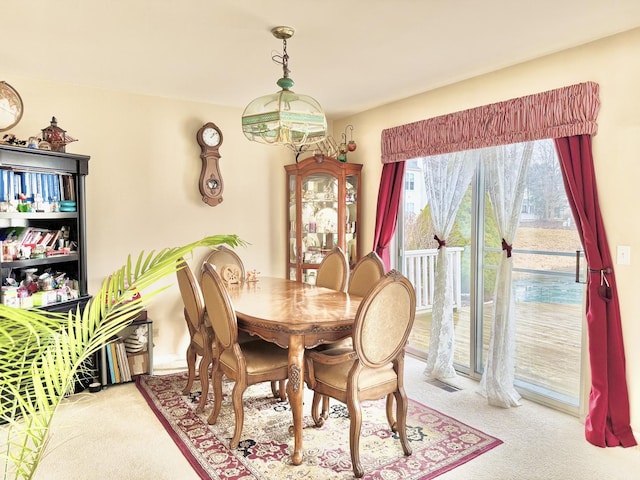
(211, 137)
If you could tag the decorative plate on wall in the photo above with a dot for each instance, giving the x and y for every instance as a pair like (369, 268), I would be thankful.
(10, 106)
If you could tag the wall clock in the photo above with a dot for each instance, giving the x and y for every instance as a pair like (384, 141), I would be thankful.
(210, 138)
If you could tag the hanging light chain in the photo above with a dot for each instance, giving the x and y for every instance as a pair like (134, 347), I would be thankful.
(283, 59)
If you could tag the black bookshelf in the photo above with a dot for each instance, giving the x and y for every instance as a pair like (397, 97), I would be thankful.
(34, 174)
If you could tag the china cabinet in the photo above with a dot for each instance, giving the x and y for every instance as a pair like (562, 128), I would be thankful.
(323, 210)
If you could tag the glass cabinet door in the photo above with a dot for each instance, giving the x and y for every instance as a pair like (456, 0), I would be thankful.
(319, 216)
(322, 202)
(292, 256)
(351, 216)
(319, 209)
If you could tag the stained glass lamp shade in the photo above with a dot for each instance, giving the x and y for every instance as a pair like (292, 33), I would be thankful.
(285, 117)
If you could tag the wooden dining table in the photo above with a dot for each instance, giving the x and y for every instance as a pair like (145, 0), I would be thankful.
(295, 316)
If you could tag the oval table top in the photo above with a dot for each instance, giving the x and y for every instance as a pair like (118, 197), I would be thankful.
(288, 307)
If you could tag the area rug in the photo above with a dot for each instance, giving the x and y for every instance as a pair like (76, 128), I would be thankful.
(439, 443)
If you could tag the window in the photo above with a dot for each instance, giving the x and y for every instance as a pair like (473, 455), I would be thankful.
(409, 182)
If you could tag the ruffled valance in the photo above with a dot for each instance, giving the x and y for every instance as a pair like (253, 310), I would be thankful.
(562, 112)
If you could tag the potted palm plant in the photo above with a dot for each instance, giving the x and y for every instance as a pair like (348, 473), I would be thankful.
(43, 353)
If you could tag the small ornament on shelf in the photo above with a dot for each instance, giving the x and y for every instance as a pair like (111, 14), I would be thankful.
(252, 275)
(11, 139)
(56, 137)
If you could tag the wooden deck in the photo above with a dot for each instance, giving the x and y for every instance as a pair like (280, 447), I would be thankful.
(548, 343)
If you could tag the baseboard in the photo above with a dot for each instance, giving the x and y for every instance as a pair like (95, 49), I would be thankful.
(165, 363)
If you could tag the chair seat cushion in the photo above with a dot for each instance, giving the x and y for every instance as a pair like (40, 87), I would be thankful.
(259, 355)
(337, 349)
(336, 375)
(341, 345)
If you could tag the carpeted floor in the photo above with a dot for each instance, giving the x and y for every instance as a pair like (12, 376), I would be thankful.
(439, 443)
(114, 434)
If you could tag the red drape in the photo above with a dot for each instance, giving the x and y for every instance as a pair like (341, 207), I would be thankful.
(608, 422)
(387, 211)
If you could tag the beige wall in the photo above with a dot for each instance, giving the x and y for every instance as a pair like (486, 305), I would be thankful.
(613, 64)
(144, 168)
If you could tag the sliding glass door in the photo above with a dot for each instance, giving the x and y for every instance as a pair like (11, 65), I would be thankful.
(548, 301)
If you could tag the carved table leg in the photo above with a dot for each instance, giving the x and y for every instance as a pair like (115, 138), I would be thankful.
(295, 391)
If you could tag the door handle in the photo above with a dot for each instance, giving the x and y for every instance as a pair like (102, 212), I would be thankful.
(579, 255)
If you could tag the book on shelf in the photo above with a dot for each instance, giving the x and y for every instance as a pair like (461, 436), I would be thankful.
(118, 362)
(123, 362)
(111, 371)
(13, 234)
(68, 187)
(50, 186)
(54, 239)
(34, 236)
(116, 366)
(46, 238)
(29, 236)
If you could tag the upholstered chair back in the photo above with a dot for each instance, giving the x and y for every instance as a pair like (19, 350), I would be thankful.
(220, 311)
(227, 263)
(366, 274)
(333, 272)
(384, 320)
(191, 296)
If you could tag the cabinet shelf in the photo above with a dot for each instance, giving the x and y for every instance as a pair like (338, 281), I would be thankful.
(37, 215)
(319, 201)
(34, 262)
(68, 305)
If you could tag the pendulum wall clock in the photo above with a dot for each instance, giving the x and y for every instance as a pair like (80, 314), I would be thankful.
(210, 138)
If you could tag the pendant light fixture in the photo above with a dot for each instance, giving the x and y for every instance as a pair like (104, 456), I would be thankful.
(285, 117)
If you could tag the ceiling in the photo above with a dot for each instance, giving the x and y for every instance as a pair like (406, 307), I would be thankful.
(351, 55)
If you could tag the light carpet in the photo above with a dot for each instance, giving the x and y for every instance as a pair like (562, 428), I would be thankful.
(439, 443)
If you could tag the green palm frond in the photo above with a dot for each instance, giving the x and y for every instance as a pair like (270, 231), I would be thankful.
(42, 353)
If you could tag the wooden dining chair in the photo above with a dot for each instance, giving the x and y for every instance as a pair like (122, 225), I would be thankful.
(368, 270)
(375, 367)
(247, 363)
(227, 263)
(364, 276)
(231, 269)
(200, 333)
(333, 272)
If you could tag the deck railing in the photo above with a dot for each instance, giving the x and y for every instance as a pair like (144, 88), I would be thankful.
(420, 266)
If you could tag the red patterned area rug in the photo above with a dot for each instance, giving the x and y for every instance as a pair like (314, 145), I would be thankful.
(440, 443)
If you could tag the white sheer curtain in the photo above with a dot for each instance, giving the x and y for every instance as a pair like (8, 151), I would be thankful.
(506, 169)
(447, 178)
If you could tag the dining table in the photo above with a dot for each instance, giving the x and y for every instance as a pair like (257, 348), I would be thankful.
(295, 316)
